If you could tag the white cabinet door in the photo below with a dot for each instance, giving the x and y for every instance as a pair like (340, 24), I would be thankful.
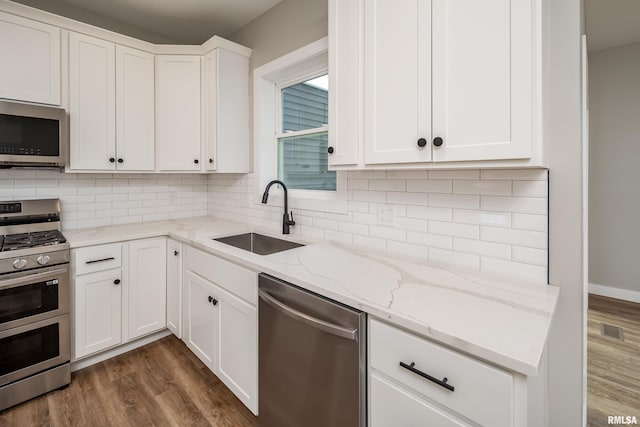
(98, 311)
(30, 60)
(226, 111)
(147, 281)
(391, 405)
(397, 81)
(482, 79)
(345, 81)
(135, 109)
(174, 287)
(200, 318)
(92, 103)
(178, 112)
(237, 345)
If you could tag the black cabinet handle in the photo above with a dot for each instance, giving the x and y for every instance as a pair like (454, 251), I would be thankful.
(441, 383)
(116, 282)
(196, 161)
(93, 261)
(330, 150)
(175, 253)
(210, 160)
(437, 141)
(120, 160)
(112, 160)
(422, 142)
(212, 300)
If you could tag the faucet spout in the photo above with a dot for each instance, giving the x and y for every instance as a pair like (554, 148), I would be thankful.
(287, 219)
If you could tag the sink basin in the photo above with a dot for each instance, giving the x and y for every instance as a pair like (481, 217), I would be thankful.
(258, 243)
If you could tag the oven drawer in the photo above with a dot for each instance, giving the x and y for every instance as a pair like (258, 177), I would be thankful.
(482, 393)
(32, 348)
(97, 258)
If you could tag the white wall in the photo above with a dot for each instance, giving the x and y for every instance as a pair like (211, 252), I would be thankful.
(614, 175)
(91, 200)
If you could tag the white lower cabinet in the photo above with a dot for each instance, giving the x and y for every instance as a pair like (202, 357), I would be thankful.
(436, 386)
(220, 321)
(118, 293)
(147, 284)
(174, 287)
(98, 312)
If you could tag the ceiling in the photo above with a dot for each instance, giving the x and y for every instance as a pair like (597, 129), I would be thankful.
(611, 23)
(161, 21)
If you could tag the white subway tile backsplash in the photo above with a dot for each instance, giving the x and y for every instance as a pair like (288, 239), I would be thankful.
(387, 185)
(453, 229)
(496, 219)
(529, 272)
(429, 185)
(530, 222)
(365, 218)
(478, 247)
(455, 201)
(370, 243)
(530, 256)
(529, 239)
(407, 249)
(388, 233)
(358, 184)
(430, 240)
(530, 205)
(454, 258)
(530, 188)
(491, 188)
(369, 196)
(412, 224)
(515, 174)
(427, 212)
(353, 206)
(454, 174)
(337, 236)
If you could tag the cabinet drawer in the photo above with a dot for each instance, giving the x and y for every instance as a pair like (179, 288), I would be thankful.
(482, 393)
(97, 258)
(235, 279)
(393, 406)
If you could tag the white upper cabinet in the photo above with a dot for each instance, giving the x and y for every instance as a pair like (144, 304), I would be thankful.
(226, 111)
(135, 110)
(111, 106)
(178, 112)
(434, 83)
(482, 79)
(92, 103)
(29, 60)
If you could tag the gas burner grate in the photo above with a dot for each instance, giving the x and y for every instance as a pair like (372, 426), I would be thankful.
(14, 242)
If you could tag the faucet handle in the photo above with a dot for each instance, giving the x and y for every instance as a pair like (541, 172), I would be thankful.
(290, 220)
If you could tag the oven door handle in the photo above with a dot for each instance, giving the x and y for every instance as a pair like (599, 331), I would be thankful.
(31, 278)
(331, 328)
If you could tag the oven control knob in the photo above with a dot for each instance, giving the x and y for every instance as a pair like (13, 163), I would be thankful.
(43, 259)
(19, 263)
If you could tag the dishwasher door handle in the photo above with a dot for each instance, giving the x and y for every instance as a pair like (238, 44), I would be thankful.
(314, 322)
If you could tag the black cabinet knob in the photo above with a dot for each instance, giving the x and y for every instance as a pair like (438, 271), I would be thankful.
(175, 253)
(212, 300)
(330, 150)
(210, 160)
(120, 160)
(437, 141)
(116, 282)
(422, 142)
(112, 159)
(196, 161)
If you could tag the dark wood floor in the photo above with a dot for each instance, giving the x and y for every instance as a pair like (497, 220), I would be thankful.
(160, 384)
(613, 366)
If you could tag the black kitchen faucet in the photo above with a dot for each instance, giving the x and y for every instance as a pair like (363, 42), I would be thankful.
(287, 220)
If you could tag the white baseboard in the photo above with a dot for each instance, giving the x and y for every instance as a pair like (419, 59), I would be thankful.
(617, 293)
(116, 351)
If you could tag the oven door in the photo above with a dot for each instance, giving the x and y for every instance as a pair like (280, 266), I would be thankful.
(29, 349)
(33, 296)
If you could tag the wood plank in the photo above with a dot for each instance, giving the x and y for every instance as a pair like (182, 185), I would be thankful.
(613, 366)
(162, 383)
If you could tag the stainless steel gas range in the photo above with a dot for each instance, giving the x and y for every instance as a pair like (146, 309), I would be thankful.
(35, 345)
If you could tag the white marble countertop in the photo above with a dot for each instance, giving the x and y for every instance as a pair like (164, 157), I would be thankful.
(501, 320)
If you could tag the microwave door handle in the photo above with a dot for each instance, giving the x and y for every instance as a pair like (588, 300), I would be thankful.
(31, 278)
(351, 334)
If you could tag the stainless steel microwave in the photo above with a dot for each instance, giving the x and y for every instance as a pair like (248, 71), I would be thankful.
(32, 135)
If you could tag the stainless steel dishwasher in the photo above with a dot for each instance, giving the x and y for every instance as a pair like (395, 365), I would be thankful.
(312, 359)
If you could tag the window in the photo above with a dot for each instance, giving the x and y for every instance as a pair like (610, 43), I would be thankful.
(291, 130)
(302, 138)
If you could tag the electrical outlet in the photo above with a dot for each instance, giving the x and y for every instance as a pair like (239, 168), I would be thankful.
(386, 216)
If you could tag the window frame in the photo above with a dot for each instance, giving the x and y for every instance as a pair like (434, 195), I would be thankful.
(307, 62)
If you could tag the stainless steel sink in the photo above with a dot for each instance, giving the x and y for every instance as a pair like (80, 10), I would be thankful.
(258, 243)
